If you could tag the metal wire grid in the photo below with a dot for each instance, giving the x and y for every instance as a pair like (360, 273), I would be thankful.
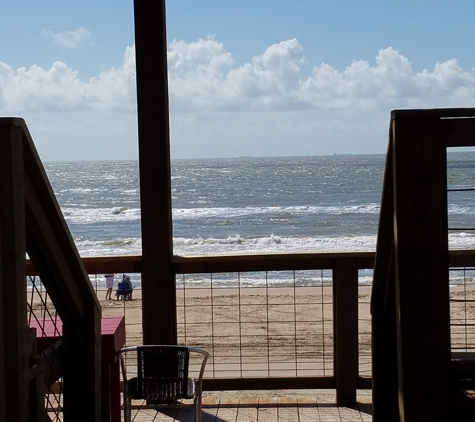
(364, 322)
(462, 280)
(126, 308)
(462, 309)
(276, 329)
(41, 310)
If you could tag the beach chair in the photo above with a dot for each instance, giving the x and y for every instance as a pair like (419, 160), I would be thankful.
(161, 377)
(124, 291)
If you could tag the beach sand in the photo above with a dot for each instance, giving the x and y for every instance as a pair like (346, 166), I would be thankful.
(250, 332)
(274, 332)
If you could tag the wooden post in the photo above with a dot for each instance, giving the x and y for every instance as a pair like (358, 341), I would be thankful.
(54, 255)
(383, 306)
(421, 253)
(158, 281)
(345, 310)
(3, 354)
(13, 359)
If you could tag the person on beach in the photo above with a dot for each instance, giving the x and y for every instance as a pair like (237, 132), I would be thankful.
(127, 287)
(109, 284)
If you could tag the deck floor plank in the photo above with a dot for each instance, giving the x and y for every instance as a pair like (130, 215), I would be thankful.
(210, 410)
(284, 409)
(247, 410)
(307, 408)
(227, 410)
(267, 410)
(288, 410)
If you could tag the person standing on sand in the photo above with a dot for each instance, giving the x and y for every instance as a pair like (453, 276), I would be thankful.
(109, 285)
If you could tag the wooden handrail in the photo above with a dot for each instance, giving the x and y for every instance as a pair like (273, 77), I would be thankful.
(250, 262)
(33, 223)
(345, 266)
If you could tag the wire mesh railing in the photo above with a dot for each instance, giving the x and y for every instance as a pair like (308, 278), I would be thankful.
(364, 322)
(259, 324)
(462, 309)
(267, 324)
(43, 318)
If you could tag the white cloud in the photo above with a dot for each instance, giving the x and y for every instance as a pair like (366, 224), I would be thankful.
(69, 39)
(60, 89)
(203, 77)
(273, 81)
(391, 83)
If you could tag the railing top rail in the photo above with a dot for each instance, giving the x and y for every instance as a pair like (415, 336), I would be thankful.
(435, 112)
(250, 262)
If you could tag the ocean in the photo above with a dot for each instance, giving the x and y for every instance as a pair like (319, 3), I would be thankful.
(246, 205)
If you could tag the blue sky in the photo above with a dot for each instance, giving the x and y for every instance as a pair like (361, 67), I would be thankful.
(261, 78)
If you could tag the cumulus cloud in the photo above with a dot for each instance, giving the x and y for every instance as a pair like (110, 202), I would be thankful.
(60, 89)
(69, 39)
(273, 81)
(203, 77)
(388, 84)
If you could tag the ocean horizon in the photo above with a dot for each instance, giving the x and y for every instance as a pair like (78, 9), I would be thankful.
(246, 205)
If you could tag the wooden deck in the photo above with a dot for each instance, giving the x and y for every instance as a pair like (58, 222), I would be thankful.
(288, 409)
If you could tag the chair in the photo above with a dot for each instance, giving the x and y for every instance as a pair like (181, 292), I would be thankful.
(162, 378)
(123, 291)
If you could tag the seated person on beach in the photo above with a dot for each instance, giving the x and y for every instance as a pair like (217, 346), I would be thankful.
(125, 288)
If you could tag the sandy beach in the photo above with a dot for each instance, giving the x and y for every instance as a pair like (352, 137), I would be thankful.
(276, 331)
(281, 332)
(253, 332)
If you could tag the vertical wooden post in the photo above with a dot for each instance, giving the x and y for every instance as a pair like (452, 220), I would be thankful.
(345, 296)
(13, 275)
(421, 253)
(158, 282)
(383, 306)
(55, 257)
(3, 354)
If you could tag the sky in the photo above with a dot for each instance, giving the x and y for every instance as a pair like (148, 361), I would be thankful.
(246, 78)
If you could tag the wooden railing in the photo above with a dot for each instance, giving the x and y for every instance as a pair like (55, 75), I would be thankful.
(413, 374)
(31, 222)
(345, 267)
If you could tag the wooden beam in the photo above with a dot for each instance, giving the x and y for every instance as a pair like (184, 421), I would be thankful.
(268, 383)
(158, 281)
(345, 330)
(3, 354)
(383, 309)
(458, 132)
(255, 262)
(422, 285)
(13, 359)
(433, 113)
(46, 220)
(30, 217)
(52, 266)
(47, 369)
(268, 262)
(55, 256)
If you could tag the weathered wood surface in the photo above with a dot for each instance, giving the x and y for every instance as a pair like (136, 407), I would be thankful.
(55, 256)
(422, 279)
(13, 353)
(257, 262)
(411, 275)
(345, 320)
(31, 221)
(264, 409)
(158, 280)
(383, 305)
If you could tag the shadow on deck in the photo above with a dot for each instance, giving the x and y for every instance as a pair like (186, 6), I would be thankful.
(279, 409)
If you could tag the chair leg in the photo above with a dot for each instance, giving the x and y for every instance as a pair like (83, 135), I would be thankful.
(128, 410)
(197, 407)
